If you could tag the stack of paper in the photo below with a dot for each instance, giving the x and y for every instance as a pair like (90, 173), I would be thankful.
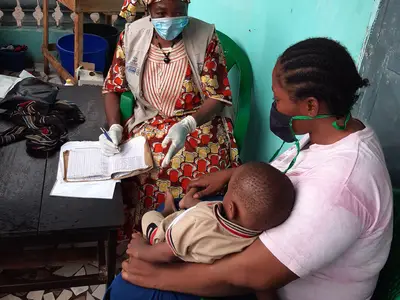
(91, 189)
(86, 162)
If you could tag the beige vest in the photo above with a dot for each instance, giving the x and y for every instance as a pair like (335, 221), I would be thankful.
(138, 35)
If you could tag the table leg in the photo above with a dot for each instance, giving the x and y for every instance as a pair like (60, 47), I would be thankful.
(46, 34)
(111, 256)
(78, 46)
(108, 19)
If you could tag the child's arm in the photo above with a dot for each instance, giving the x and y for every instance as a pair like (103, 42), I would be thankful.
(267, 295)
(158, 253)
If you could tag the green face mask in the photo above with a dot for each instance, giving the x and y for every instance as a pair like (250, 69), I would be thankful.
(282, 126)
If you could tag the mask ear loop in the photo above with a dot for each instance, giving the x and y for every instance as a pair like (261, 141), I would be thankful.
(344, 126)
(297, 143)
(334, 124)
(277, 153)
(295, 158)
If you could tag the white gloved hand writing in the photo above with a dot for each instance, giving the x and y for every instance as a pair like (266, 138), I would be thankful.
(115, 133)
(176, 138)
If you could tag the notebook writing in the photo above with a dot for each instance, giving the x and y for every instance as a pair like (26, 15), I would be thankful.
(86, 161)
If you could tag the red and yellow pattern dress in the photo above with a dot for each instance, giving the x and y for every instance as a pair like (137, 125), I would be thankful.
(170, 88)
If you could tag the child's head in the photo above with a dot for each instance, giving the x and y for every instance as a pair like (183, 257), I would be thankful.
(259, 197)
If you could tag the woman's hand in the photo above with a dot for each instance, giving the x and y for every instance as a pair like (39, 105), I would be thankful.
(211, 184)
(109, 148)
(188, 200)
(141, 273)
(137, 246)
(176, 138)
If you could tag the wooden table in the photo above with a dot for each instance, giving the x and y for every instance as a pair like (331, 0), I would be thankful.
(29, 216)
(109, 7)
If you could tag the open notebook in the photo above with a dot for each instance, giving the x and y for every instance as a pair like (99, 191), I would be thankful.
(85, 162)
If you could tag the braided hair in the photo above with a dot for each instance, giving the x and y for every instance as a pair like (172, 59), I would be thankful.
(321, 68)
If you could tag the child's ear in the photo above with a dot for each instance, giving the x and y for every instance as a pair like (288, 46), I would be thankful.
(233, 210)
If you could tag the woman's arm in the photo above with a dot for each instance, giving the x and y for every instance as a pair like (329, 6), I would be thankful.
(210, 108)
(115, 84)
(215, 83)
(267, 295)
(303, 245)
(254, 269)
(211, 184)
(112, 109)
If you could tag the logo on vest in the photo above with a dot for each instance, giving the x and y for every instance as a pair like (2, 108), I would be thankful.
(133, 69)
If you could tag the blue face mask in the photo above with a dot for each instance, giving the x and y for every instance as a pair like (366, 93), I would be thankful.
(169, 28)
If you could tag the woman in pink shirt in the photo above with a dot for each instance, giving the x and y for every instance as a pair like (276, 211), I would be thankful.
(338, 237)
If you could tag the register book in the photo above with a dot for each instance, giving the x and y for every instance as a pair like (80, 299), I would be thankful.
(85, 161)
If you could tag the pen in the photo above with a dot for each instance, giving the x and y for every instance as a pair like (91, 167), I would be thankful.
(107, 136)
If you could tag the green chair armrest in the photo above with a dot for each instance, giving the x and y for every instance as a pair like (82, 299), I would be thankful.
(236, 56)
(126, 105)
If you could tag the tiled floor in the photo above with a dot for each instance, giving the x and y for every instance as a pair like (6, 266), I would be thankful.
(93, 292)
(81, 293)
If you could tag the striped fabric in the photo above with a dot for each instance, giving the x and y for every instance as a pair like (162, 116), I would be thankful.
(162, 83)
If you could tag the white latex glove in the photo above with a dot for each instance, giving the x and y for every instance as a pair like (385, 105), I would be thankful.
(176, 138)
(115, 133)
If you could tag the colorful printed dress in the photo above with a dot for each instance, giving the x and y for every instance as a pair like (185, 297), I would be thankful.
(171, 89)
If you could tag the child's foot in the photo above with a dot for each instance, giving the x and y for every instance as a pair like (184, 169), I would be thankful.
(188, 201)
(169, 205)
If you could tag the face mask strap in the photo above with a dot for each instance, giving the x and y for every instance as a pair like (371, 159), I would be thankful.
(334, 124)
(295, 158)
(344, 126)
(277, 153)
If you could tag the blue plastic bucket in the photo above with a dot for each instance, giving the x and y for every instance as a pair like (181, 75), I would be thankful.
(94, 51)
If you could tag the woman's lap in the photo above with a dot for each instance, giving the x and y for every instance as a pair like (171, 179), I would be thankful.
(122, 290)
(211, 148)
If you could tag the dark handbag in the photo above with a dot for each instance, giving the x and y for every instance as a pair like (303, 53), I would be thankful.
(29, 89)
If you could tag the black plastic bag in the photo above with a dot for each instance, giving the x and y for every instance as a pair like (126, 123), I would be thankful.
(30, 89)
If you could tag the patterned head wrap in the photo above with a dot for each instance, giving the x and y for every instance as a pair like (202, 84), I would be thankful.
(129, 7)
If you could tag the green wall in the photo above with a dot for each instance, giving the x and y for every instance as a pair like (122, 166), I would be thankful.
(265, 28)
(32, 37)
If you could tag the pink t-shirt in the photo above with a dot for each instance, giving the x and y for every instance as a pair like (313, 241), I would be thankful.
(338, 236)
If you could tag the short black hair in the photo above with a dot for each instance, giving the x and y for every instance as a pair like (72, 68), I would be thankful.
(321, 68)
(267, 194)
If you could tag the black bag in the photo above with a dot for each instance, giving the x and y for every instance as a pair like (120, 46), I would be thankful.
(30, 89)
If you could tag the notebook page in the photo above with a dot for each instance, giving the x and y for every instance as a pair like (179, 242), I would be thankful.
(88, 164)
(131, 158)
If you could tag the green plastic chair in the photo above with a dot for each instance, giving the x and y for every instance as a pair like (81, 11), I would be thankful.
(388, 287)
(234, 56)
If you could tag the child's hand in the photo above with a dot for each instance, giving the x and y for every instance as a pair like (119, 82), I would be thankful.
(189, 201)
(137, 246)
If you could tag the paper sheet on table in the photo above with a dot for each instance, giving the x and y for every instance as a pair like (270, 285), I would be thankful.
(6, 84)
(94, 189)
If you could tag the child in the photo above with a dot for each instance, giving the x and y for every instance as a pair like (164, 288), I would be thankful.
(259, 197)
